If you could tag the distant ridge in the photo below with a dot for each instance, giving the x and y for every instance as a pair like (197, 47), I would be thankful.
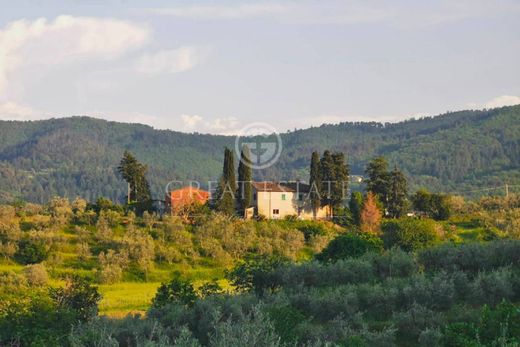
(77, 156)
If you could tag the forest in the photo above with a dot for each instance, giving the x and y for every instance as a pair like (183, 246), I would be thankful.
(459, 152)
(392, 267)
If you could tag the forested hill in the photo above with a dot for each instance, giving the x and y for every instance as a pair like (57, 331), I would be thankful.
(78, 156)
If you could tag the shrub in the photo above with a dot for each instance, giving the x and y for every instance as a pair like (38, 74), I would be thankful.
(78, 296)
(253, 330)
(36, 274)
(31, 252)
(351, 245)
(409, 234)
(253, 272)
(177, 291)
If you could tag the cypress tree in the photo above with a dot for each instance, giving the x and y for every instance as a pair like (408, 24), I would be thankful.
(227, 185)
(397, 202)
(341, 176)
(355, 205)
(245, 178)
(315, 183)
(327, 178)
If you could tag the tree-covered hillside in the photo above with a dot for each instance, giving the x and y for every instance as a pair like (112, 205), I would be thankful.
(78, 156)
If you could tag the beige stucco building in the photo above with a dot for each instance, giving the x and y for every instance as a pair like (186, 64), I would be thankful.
(276, 200)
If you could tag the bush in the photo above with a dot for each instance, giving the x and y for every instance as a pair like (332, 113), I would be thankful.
(253, 271)
(409, 234)
(78, 296)
(351, 245)
(31, 252)
(177, 291)
(36, 274)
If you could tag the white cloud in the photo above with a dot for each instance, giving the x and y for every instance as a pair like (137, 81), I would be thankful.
(190, 122)
(224, 124)
(503, 100)
(499, 101)
(13, 111)
(219, 125)
(66, 39)
(170, 61)
(221, 11)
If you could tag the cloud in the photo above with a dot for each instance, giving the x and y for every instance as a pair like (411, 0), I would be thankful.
(170, 61)
(225, 125)
(221, 11)
(190, 122)
(499, 101)
(219, 125)
(13, 111)
(66, 39)
(503, 100)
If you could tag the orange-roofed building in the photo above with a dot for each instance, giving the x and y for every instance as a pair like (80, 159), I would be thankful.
(178, 200)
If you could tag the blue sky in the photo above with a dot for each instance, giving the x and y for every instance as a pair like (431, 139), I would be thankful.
(217, 66)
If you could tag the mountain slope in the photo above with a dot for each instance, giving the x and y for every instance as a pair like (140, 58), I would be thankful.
(458, 151)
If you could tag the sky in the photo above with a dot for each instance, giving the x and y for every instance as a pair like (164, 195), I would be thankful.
(218, 66)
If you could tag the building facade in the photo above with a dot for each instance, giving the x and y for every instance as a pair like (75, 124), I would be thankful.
(275, 200)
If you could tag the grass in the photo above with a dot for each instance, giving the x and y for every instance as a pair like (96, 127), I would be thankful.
(121, 299)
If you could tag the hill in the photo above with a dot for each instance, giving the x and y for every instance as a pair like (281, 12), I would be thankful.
(454, 152)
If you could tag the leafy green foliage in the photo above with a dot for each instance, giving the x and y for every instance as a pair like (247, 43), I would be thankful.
(410, 234)
(355, 205)
(79, 296)
(350, 245)
(31, 252)
(436, 206)
(177, 291)
(252, 271)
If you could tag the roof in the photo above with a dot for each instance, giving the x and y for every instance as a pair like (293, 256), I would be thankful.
(270, 186)
(188, 195)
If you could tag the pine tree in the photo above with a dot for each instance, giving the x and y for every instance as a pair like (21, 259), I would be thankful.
(397, 201)
(245, 178)
(378, 181)
(227, 185)
(355, 205)
(134, 173)
(315, 183)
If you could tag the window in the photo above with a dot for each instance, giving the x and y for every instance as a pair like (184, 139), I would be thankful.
(283, 196)
(276, 211)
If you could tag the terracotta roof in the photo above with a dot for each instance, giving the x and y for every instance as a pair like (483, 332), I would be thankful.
(270, 186)
(188, 195)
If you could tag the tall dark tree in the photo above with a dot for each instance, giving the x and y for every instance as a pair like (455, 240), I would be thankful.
(378, 179)
(227, 185)
(245, 178)
(327, 168)
(436, 206)
(341, 177)
(315, 183)
(355, 205)
(134, 173)
(397, 199)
